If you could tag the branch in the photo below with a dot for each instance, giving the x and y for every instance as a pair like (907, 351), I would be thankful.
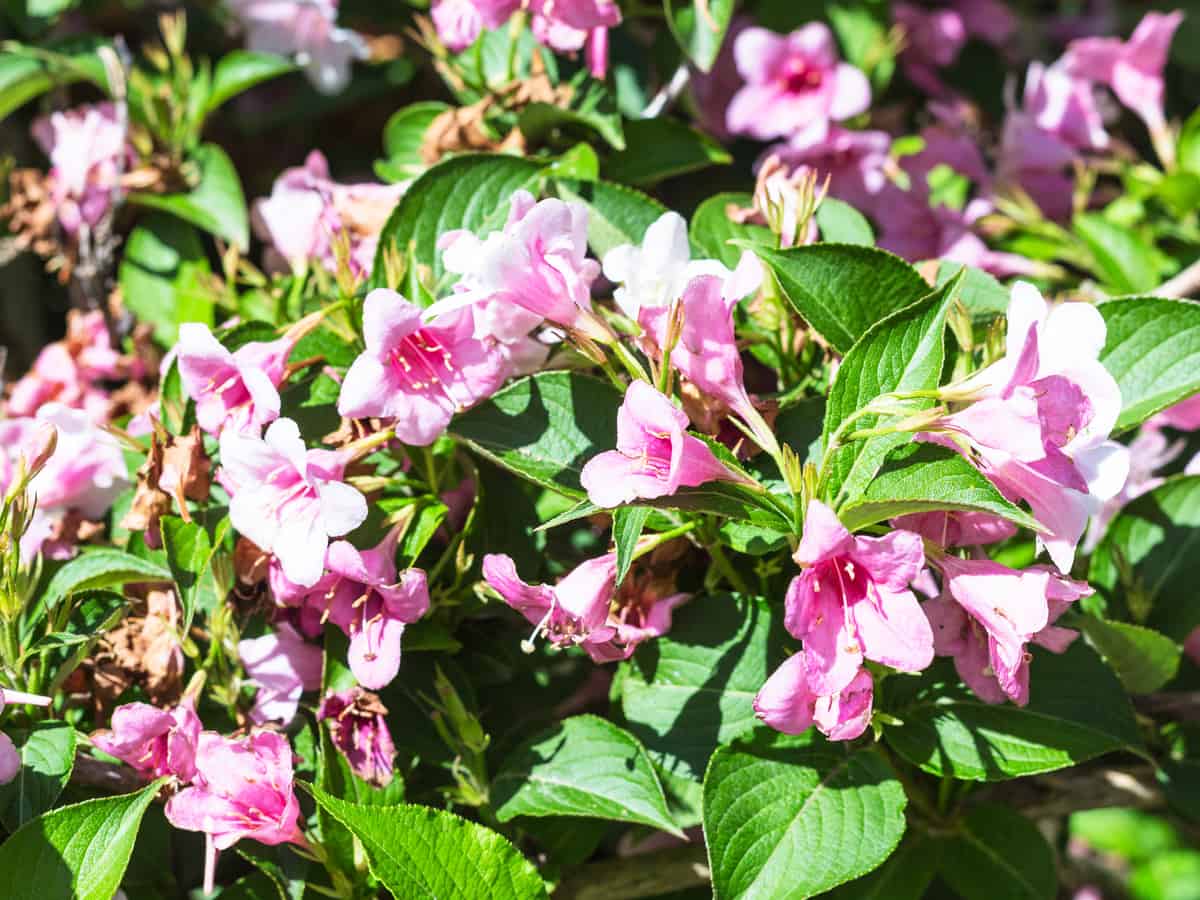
(646, 875)
(1182, 285)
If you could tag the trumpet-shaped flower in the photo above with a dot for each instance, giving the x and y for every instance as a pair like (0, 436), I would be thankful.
(852, 602)
(358, 726)
(417, 374)
(85, 146)
(283, 666)
(952, 528)
(305, 30)
(153, 740)
(787, 703)
(655, 455)
(287, 499)
(794, 83)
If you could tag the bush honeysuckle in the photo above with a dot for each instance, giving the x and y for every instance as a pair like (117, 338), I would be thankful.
(763, 424)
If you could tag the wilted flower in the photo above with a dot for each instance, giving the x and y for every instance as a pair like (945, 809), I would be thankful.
(152, 740)
(283, 666)
(787, 703)
(85, 146)
(358, 726)
(287, 499)
(306, 31)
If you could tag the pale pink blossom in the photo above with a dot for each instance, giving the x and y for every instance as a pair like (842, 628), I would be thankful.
(1149, 452)
(655, 455)
(283, 666)
(568, 25)
(1183, 416)
(362, 594)
(154, 741)
(459, 22)
(537, 263)
(308, 214)
(358, 726)
(1133, 68)
(988, 615)
(853, 161)
(71, 371)
(957, 528)
(794, 83)
(10, 759)
(786, 703)
(852, 601)
(287, 499)
(306, 31)
(1038, 420)
(415, 373)
(87, 150)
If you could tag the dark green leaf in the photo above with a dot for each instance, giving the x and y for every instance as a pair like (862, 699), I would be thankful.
(616, 214)
(699, 26)
(25, 72)
(241, 70)
(403, 137)
(47, 758)
(1189, 144)
(215, 204)
(189, 552)
(662, 148)
(999, 855)
(164, 276)
(628, 522)
(105, 567)
(1143, 659)
(712, 231)
(906, 875)
(541, 121)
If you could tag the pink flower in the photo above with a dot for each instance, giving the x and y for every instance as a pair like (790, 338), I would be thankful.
(1041, 417)
(288, 500)
(852, 602)
(707, 352)
(70, 371)
(1183, 416)
(305, 30)
(793, 83)
(308, 213)
(989, 20)
(582, 610)
(10, 759)
(712, 91)
(86, 146)
(361, 594)
(417, 374)
(283, 666)
(948, 528)
(1133, 68)
(567, 25)
(459, 22)
(853, 161)
(655, 455)
(242, 789)
(153, 740)
(933, 38)
(987, 616)
(536, 263)
(358, 726)
(238, 391)
(1064, 105)
(1149, 452)
(786, 703)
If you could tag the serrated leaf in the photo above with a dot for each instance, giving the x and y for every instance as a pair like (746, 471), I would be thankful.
(106, 567)
(1077, 711)
(47, 759)
(711, 230)
(1124, 261)
(1153, 351)
(840, 223)
(215, 204)
(544, 427)
(240, 70)
(923, 478)
(419, 852)
(403, 137)
(78, 851)
(904, 352)
(583, 766)
(842, 290)
(471, 192)
(693, 689)
(1143, 659)
(794, 820)
(1155, 543)
(164, 276)
(999, 854)
(662, 148)
(189, 551)
(616, 214)
(699, 27)
(628, 522)
(906, 875)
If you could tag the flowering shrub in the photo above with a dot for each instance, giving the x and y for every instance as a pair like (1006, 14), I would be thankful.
(741, 452)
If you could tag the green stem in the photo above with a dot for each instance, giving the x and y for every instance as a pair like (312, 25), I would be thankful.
(629, 361)
(726, 568)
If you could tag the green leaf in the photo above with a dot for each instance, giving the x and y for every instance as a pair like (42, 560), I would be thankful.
(47, 759)
(662, 148)
(841, 223)
(419, 852)
(1171, 876)
(712, 232)
(843, 290)
(628, 522)
(904, 352)
(403, 137)
(470, 192)
(999, 855)
(596, 116)
(1124, 261)
(693, 689)
(544, 427)
(106, 567)
(922, 478)
(699, 27)
(1180, 781)
(616, 214)
(1153, 351)
(1147, 559)
(26, 72)
(1077, 711)
(906, 875)
(215, 204)
(982, 295)
(1143, 659)
(241, 70)
(78, 851)
(1130, 834)
(256, 886)
(799, 818)
(1189, 144)
(583, 766)
(164, 276)
(189, 552)
(730, 501)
